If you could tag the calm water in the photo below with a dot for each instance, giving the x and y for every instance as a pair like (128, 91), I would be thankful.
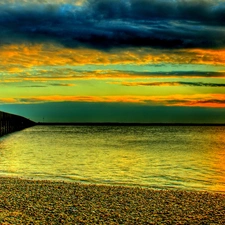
(191, 158)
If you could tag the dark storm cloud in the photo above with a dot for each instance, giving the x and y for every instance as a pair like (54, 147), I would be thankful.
(176, 74)
(106, 24)
(212, 101)
(62, 85)
(194, 84)
(33, 86)
(51, 84)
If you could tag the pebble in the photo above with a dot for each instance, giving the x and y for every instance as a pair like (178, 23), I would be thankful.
(47, 202)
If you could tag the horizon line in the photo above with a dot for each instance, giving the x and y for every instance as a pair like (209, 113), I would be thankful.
(128, 124)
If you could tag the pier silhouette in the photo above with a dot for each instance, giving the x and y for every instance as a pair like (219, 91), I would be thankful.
(10, 123)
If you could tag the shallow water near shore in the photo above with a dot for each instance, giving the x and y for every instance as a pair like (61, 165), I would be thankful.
(177, 157)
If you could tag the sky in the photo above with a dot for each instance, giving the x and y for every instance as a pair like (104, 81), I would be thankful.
(148, 61)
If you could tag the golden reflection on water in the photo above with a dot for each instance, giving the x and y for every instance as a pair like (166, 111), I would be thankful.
(221, 167)
(216, 158)
(162, 157)
(218, 165)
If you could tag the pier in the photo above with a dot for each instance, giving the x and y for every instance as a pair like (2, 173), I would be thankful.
(10, 123)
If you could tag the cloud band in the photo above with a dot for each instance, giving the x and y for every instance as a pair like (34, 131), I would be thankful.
(107, 24)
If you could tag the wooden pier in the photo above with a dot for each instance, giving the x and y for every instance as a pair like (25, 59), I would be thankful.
(10, 123)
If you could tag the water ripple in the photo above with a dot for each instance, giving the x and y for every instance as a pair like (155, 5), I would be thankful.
(191, 158)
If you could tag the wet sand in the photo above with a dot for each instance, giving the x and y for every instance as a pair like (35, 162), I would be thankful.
(47, 202)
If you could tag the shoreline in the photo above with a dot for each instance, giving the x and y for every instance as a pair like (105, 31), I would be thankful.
(125, 185)
(54, 202)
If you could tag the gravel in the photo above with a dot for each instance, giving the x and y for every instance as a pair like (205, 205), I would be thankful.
(47, 202)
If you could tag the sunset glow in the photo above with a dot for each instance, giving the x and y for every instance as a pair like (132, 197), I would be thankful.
(113, 52)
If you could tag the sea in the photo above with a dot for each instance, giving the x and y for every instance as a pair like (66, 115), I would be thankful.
(188, 158)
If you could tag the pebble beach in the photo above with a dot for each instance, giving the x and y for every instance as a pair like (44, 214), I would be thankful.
(47, 202)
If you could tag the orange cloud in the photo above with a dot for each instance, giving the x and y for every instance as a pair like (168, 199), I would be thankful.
(20, 57)
(67, 74)
(198, 100)
(8, 100)
(207, 56)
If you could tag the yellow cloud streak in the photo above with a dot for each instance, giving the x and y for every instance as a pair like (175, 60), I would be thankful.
(200, 100)
(70, 75)
(15, 58)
